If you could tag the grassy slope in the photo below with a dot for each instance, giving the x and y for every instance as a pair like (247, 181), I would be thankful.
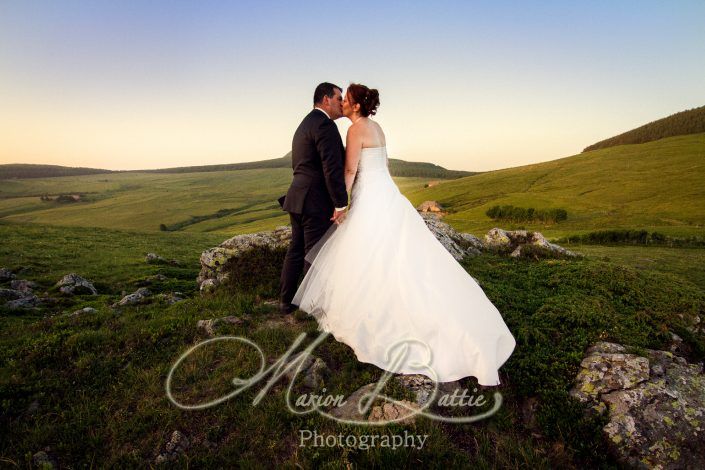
(99, 379)
(143, 201)
(691, 121)
(658, 185)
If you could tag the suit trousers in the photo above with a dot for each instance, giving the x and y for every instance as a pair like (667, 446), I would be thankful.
(306, 230)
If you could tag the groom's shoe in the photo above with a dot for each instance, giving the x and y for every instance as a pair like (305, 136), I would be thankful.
(286, 309)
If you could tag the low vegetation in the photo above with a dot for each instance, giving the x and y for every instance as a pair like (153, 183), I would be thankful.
(691, 121)
(526, 214)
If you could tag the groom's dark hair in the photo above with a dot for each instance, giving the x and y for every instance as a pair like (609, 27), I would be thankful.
(324, 89)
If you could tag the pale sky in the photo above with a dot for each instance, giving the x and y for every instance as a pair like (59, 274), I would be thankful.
(468, 85)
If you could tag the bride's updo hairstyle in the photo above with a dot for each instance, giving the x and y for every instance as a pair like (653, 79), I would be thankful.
(367, 98)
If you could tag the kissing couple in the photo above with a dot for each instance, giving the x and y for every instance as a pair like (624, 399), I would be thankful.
(374, 275)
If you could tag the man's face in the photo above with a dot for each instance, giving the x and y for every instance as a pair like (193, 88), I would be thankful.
(336, 105)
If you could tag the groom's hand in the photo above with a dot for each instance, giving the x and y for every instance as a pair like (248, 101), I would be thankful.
(338, 215)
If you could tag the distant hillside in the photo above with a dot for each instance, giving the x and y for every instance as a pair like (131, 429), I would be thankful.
(656, 186)
(424, 170)
(691, 121)
(28, 170)
(396, 167)
(283, 162)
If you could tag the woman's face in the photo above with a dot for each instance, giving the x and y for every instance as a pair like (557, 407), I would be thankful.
(348, 106)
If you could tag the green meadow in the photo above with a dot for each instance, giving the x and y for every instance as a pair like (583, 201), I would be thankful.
(227, 202)
(91, 387)
(657, 186)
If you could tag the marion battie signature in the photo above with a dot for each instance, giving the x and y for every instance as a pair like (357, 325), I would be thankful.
(396, 353)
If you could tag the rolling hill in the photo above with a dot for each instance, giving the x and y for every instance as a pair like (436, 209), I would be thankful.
(397, 168)
(687, 122)
(658, 185)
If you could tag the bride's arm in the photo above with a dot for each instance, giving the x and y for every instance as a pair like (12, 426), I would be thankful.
(353, 149)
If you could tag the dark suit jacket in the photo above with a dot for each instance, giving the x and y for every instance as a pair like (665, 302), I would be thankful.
(318, 160)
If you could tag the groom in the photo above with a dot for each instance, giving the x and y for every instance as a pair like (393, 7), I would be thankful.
(317, 195)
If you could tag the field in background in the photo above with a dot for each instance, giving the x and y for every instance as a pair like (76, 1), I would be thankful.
(657, 186)
(227, 202)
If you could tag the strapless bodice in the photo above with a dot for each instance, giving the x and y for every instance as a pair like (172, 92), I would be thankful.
(372, 159)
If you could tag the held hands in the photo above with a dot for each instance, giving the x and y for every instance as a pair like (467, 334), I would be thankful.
(339, 216)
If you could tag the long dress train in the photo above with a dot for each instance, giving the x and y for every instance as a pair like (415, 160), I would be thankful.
(381, 283)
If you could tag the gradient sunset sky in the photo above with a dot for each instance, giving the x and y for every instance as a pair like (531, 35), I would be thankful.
(468, 85)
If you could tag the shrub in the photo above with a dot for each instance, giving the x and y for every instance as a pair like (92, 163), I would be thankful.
(526, 214)
(631, 237)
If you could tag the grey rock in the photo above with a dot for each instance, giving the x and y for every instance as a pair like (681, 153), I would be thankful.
(512, 240)
(458, 245)
(153, 258)
(313, 369)
(213, 259)
(349, 410)
(11, 294)
(140, 296)
(429, 206)
(84, 310)
(73, 284)
(43, 461)
(316, 374)
(394, 412)
(177, 444)
(171, 297)
(6, 275)
(655, 404)
(209, 285)
(29, 301)
(210, 325)
(423, 387)
(23, 285)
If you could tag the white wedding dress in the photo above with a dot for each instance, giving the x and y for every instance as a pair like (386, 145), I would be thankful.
(381, 277)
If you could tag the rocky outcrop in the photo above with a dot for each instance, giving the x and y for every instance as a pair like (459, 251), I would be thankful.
(73, 284)
(170, 298)
(27, 301)
(10, 294)
(177, 445)
(430, 206)
(313, 369)
(403, 411)
(153, 258)
(211, 325)
(6, 275)
(655, 404)
(213, 259)
(23, 285)
(84, 310)
(423, 387)
(140, 296)
(458, 244)
(350, 409)
(20, 296)
(514, 241)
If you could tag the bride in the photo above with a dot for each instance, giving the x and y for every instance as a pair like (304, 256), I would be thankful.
(381, 283)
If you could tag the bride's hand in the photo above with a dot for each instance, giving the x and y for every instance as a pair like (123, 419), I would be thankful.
(339, 220)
